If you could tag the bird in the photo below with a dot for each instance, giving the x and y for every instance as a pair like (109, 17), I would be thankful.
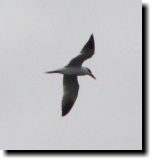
(70, 73)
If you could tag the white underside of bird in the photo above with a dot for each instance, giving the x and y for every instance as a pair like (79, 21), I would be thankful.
(71, 71)
(75, 71)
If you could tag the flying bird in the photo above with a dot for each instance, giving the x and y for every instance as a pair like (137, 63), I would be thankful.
(70, 73)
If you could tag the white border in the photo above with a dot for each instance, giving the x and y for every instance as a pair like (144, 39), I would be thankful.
(107, 157)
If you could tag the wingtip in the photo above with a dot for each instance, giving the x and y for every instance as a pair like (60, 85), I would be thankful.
(90, 44)
(92, 36)
(64, 114)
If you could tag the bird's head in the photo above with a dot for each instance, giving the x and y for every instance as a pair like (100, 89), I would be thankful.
(88, 72)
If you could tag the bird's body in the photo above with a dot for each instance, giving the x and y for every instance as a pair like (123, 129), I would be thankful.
(71, 71)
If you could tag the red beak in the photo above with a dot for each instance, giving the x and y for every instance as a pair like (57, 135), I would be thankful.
(92, 76)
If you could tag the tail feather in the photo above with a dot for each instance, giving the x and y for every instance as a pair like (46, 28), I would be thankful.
(52, 72)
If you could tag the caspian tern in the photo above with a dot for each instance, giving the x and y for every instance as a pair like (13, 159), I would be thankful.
(71, 71)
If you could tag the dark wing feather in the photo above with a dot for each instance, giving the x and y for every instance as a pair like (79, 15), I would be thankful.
(70, 87)
(86, 52)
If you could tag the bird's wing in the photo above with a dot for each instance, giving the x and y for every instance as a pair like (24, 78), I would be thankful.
(70, 87)
(86, 52)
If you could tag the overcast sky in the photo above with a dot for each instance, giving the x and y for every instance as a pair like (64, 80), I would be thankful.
(38, 36)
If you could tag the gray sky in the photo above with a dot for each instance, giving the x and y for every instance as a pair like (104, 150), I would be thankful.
(38, 36)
